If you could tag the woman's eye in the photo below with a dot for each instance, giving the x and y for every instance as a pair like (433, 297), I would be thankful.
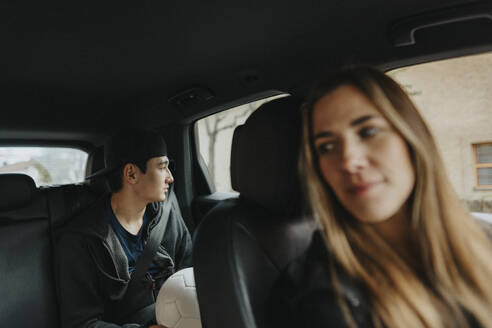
(325, 147)
(368, 132)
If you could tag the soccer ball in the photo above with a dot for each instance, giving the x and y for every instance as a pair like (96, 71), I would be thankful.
(176, 305)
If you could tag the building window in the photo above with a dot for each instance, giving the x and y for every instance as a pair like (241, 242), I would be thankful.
(483, 165)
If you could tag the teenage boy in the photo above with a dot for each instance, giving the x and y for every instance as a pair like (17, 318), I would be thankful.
(99, 249)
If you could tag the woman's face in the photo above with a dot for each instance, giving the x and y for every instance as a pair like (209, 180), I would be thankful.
(361, 156)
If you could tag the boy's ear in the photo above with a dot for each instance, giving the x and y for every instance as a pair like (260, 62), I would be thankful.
(130, 173)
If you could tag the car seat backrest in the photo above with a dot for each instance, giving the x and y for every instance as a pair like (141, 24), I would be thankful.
(264, 156)
(242, 244)
(27, 285)
(29, 217)
(65, 201)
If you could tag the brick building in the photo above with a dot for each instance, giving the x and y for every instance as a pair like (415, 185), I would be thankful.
(455, 97)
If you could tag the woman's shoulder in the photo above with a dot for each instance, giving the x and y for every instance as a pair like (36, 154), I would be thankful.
(303, 295)
(313, 271)
(311, 264)
(305, 289)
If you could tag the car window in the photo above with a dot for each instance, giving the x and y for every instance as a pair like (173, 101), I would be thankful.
(46, 165)
(455, 98)
(215, 133)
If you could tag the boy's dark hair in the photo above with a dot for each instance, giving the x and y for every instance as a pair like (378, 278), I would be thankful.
(115, 178)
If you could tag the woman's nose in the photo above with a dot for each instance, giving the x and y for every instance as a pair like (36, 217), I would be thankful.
(354, 157)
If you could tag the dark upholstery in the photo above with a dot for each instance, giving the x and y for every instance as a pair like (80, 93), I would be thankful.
(27, 285)
(243, 244)
(15, 190)
(264, 155)
(27, 220)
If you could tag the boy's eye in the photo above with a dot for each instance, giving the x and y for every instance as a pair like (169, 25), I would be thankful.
(167, 166)
(368, 132)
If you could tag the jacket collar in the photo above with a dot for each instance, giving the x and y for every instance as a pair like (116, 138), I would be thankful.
(93, 221)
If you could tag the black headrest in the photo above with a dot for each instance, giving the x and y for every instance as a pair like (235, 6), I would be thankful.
(264, 156)
(16, 190)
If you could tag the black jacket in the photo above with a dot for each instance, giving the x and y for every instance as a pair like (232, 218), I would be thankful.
(93, 269)
(304, 296)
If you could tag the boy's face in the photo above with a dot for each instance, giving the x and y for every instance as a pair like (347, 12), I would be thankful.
(153, 185)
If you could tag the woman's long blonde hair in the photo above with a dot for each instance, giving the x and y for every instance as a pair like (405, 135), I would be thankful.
(455, 281)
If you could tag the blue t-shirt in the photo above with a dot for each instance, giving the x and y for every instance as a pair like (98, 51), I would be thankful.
(133, 245)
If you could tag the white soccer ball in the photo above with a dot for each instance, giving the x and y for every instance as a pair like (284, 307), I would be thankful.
(177, 305)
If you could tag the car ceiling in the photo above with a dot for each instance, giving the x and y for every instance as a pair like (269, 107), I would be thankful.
(76, 70)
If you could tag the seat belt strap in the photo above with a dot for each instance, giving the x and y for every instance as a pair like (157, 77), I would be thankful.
(153, 242)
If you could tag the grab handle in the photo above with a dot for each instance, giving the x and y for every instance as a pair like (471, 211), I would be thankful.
(402, 33)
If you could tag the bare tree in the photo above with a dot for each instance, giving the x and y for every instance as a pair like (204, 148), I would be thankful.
(220, 122)
(407, 87)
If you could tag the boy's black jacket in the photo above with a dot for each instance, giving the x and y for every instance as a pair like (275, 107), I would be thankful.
(92, 268)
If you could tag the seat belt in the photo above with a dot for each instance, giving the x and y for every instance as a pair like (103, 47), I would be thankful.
(145, 259)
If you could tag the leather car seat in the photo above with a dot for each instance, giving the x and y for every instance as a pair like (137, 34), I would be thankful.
(27, 284)
(243, 244)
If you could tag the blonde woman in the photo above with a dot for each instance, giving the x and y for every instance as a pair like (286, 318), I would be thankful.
(395, 246)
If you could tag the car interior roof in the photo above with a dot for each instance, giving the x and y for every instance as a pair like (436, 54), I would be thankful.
(76, 71)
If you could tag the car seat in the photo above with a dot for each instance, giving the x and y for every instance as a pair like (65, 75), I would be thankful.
(243, 244)
(27, 284)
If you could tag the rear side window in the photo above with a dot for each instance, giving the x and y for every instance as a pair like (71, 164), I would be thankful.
(46, 165)
(215, 133)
